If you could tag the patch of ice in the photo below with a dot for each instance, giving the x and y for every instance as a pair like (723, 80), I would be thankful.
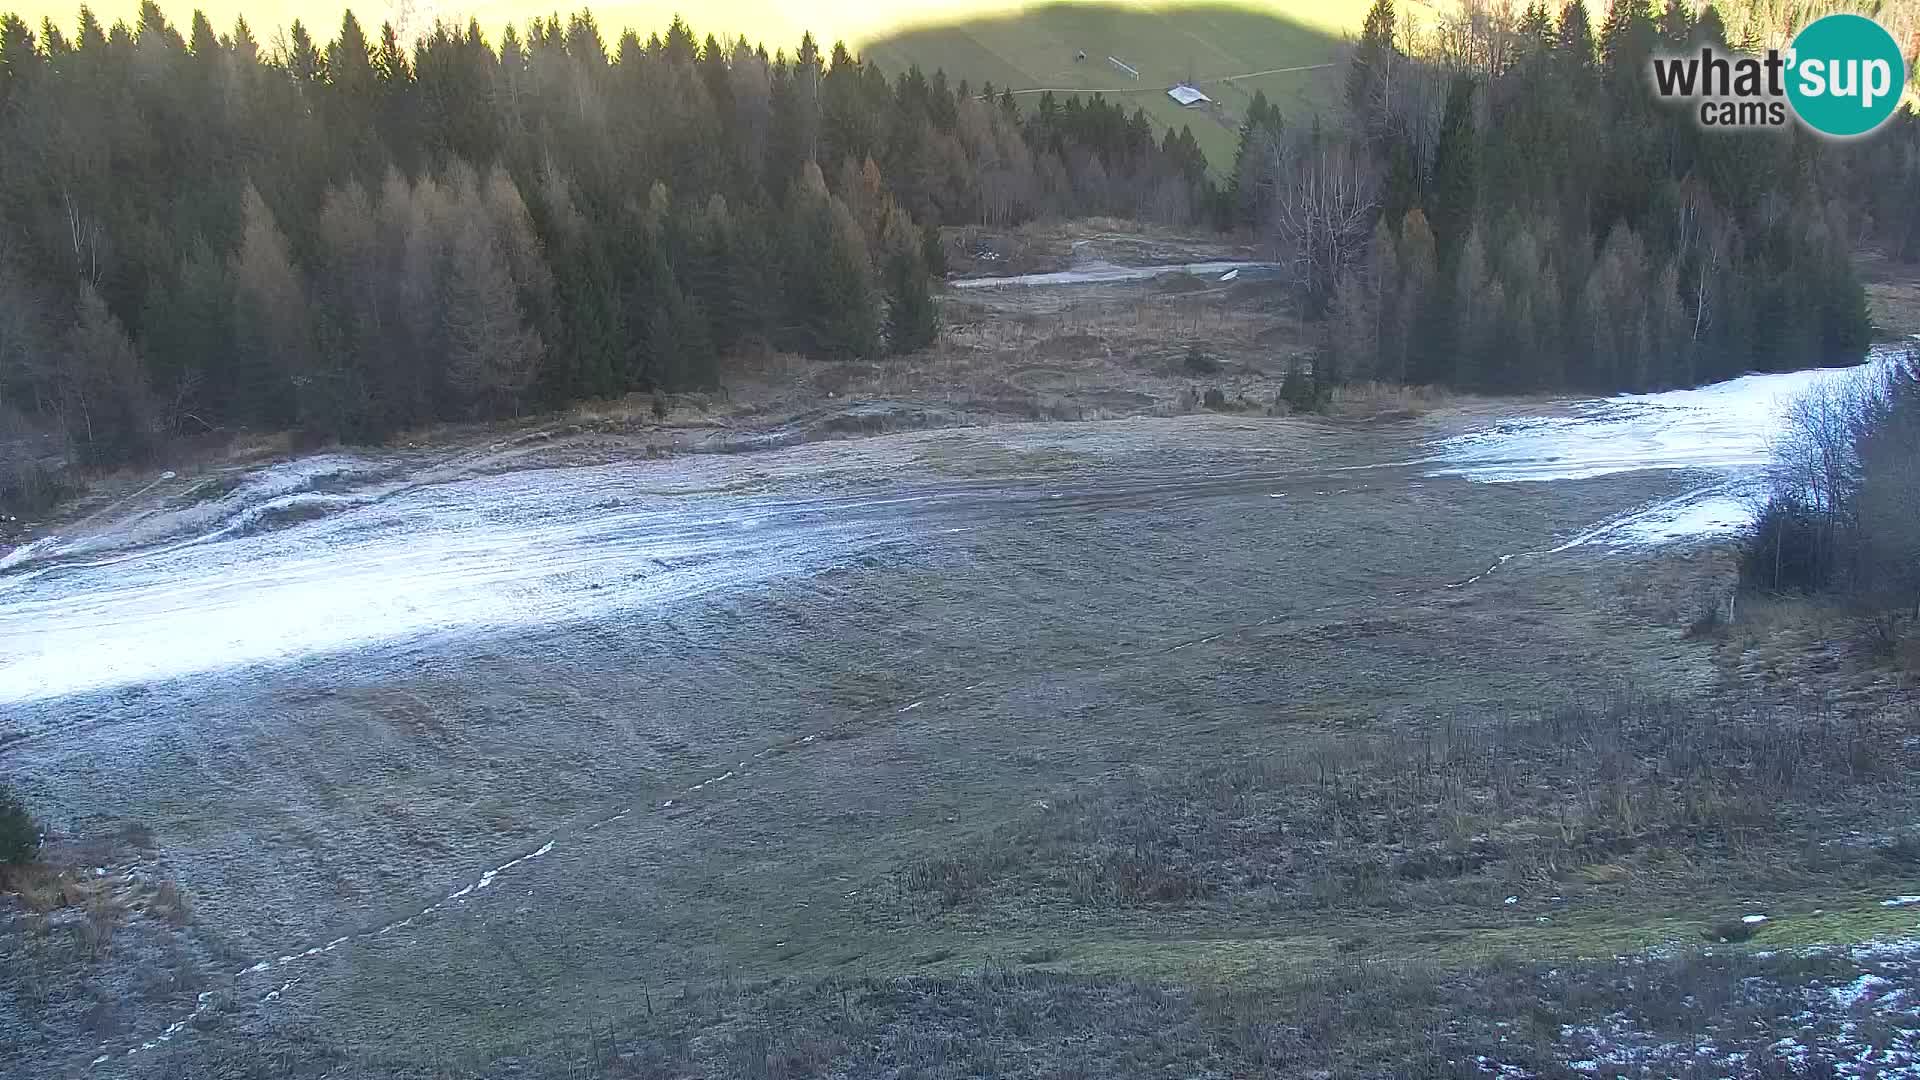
(1726, 428)
(1722, 427)
(1858, 990)
(27, 550)
(1712, 515)
(1901, 901)
(1753, 920)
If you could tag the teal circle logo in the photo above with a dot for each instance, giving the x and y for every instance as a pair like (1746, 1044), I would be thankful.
(1845, 75)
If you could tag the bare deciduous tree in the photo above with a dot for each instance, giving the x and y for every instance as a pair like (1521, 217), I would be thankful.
(1325, 192)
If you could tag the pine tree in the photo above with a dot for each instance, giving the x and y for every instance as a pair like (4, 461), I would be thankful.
(1372, 59)
(1456, 170)
(273, 342)
(491, 353)
(110, 416)
(913, 319)
(1575, 48)
(1417, 314)
(303, 57)
(1352, 351)
(1475, 309)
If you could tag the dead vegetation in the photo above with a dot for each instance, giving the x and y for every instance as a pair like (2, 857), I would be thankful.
(1893, 294)
(978, 250)
(93, 944)
(1459, 814)
(1696, 1015)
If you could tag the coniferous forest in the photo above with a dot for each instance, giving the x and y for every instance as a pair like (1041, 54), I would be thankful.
(1507, 206)
(201, 234)
(353, 237)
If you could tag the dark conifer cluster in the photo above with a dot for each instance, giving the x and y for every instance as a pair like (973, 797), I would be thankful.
(199, 234)
(1507, 206)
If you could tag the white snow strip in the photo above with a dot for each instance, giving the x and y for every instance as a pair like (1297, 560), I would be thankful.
(26, 551)
(1726, 428)
(1720, 427)
(1103, 273)
(1859, 990)
(728, 775)
(356, 570)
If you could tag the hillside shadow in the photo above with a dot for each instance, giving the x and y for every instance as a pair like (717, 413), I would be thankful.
(1228, 51)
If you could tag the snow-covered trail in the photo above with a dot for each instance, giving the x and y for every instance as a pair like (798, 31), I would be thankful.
(1724, 431)
(1095, 272)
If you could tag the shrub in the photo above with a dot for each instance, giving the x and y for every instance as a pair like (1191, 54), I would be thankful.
(1788, 547)
(1199, 363)
(19, 836)
(1302, 390)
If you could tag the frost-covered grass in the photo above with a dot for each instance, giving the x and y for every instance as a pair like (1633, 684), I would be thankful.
(1699, 1013)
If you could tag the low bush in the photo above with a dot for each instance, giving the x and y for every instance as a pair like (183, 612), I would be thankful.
(1456, 810)
(1789, 547)
(1303, 390)
(19, 836)
(1199, 363)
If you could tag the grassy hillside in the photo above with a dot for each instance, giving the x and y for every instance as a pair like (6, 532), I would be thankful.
(1206, 44)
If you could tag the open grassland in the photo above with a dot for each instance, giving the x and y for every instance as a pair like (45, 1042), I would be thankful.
(1133, 762)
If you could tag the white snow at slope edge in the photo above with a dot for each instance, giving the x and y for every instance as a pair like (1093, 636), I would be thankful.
(1711, 515)
(1726, 428)
(1723, 427)
(509, 550)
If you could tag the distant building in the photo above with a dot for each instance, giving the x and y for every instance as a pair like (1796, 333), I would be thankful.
(1188, 97)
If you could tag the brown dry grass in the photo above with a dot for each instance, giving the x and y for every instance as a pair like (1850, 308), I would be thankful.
(44, 886)
(1893, 295)
(1388, 400)
(1044, 246)
(93, 934)
(169, 903)
(1455, 815)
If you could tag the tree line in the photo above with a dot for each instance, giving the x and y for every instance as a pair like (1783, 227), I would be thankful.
(349, 238)
(1841, 508)
(1505, 205)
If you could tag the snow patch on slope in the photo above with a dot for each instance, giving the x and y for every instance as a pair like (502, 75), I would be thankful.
(1726, 429)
